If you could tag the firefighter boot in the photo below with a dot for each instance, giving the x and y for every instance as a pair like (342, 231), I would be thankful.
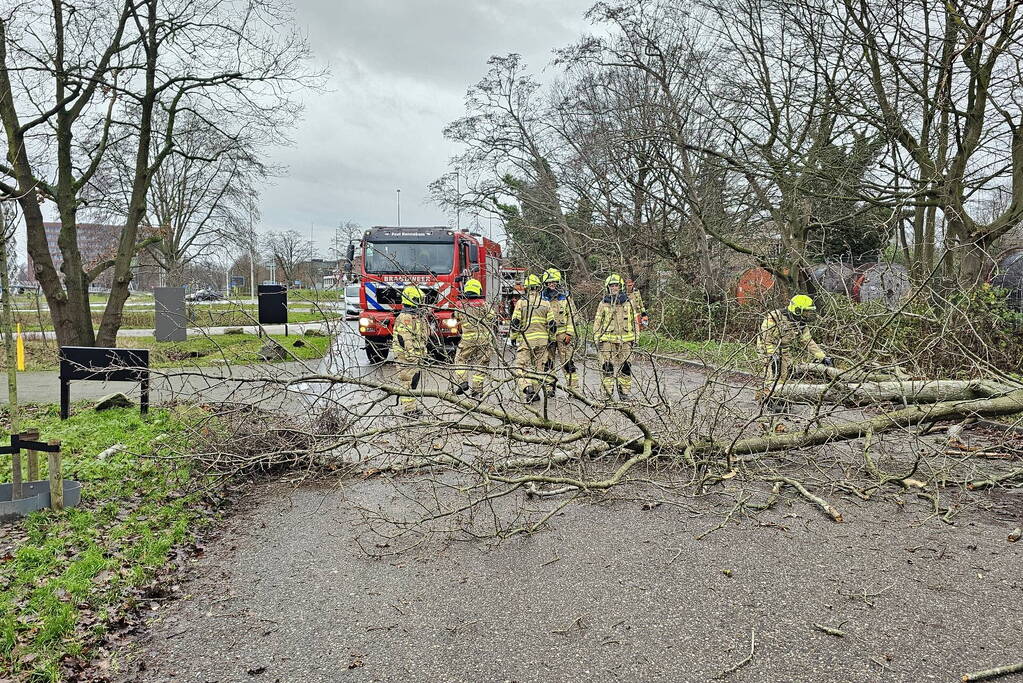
(531, 395)
(624, 387)
(460, 389)
(608, 384)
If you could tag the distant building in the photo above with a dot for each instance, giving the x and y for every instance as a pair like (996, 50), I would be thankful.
(97, 242)
(318, 273)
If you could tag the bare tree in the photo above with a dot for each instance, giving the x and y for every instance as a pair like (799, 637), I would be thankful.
(76, 82)
(290, 251)
(200, 195)
(510, 152)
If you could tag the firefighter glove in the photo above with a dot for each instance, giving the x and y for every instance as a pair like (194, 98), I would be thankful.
(828, 362)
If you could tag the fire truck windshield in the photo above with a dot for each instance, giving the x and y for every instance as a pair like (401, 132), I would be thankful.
(409, 257)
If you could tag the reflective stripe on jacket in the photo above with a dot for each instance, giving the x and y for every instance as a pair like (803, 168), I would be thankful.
(410, 335)
(615, 320)
(534, 314)
(476, 318)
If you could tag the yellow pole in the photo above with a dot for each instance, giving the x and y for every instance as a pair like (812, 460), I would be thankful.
(21, 350)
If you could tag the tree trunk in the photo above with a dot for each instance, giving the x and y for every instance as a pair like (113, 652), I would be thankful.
(872, 393)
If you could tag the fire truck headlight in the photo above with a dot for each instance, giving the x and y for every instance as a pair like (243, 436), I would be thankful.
(451, 322)
(365, 322)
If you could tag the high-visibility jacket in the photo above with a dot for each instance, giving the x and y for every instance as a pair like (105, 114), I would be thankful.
(410, 335)
(615, 320)
(562, 312)
(534, 316)
(476, 319)
(779, 334)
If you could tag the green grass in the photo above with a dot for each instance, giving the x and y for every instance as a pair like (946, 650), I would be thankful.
(75, 570)
(300, 295)
(724, 354)
(197, 351)
(200, 315)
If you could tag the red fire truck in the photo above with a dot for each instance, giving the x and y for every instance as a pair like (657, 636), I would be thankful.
(439, 260)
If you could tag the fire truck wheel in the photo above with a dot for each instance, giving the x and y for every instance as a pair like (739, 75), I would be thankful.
(376, 352)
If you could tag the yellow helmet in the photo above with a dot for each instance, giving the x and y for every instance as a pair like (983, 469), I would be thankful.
(411, 296)
(532, 281)
(614, 279)
(552, 275)
(473, 286)
(801, 303)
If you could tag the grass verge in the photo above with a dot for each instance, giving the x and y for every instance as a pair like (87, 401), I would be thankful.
(226, 349)
(203, 315)
(67, 577)
(723, 354)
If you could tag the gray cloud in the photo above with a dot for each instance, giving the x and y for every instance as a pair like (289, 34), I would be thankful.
(400, 69)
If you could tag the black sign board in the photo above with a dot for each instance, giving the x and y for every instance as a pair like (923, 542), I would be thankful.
(102, 364)
(273, 305)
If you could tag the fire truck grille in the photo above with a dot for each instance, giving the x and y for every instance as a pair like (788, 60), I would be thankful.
(391, 296)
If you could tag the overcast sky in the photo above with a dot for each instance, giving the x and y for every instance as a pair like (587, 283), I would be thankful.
(399, 72)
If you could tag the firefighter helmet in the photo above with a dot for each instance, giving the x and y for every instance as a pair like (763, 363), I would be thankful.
(411, 296)
(473, 286)
(801, 303)
(532, 281)
(614, 279)
(552, 275)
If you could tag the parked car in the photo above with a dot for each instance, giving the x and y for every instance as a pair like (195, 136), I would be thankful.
(204, 295)
(352, 302)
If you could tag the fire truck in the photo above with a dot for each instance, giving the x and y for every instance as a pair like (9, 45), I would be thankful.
(439, 260)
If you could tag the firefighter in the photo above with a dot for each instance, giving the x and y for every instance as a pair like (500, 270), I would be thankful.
(476, 319)
(637, 303)
(615, 329)
(531, 327)
(784, 333)
(561, 348)
(411, 332)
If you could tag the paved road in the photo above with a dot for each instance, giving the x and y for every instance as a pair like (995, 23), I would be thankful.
(614, 589)
(194, 383)
(611, 593)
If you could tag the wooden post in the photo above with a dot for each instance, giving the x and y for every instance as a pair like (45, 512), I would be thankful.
(33, 456)
(16, 492)
(56, 478)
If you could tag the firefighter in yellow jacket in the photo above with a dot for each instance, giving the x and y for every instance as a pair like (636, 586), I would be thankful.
(476, 319)
(783, 334)
(411, 333)
(562, 345)
(615, 329)
(531, 327)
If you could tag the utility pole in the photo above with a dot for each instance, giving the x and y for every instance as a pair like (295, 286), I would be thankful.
(252, 256)
(398, 192)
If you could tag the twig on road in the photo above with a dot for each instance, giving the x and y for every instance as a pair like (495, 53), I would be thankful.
(749, 657)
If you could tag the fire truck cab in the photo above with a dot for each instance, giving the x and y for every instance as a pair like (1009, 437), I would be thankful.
(437, 259)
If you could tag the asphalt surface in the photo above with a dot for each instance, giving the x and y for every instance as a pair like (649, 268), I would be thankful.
(620, 588)
(610, 592)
